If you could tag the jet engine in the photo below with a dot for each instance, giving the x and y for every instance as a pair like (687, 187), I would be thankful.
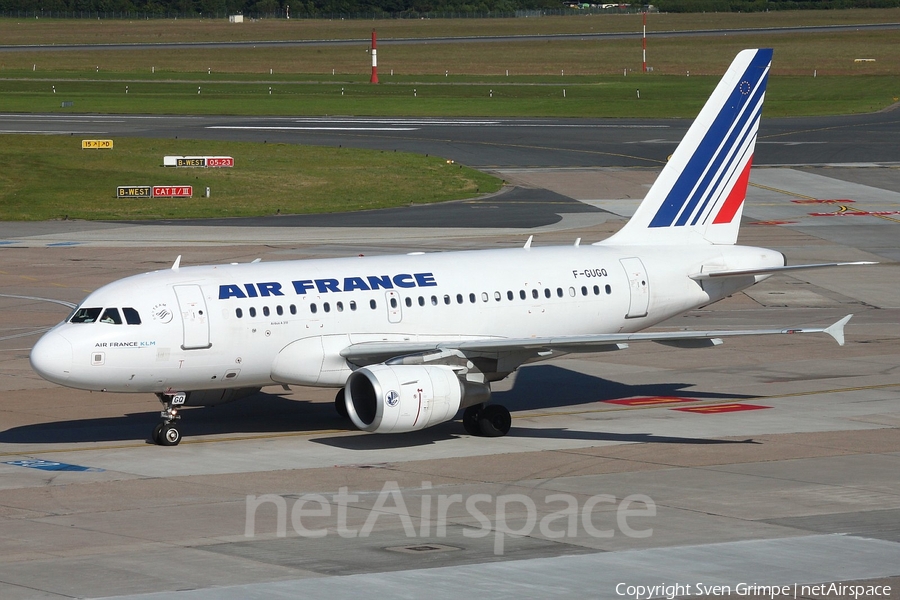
(398, 398)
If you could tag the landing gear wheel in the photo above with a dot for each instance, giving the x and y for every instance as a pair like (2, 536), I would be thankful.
(470, 419)
(156, 432)
(166, 433)
(169, 435)
(340, 404)
(494, 421)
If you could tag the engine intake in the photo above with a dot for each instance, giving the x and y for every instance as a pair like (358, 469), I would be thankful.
(398, 398)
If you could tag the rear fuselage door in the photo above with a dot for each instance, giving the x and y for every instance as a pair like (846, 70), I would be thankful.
(194, 317)
(638, 286)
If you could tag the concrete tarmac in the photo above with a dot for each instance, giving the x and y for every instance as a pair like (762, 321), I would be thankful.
(787, 455)
(763, 461)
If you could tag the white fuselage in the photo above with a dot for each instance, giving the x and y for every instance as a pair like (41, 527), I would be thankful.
(223, 327)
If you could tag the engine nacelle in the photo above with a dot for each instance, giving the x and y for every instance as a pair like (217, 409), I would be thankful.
(398, 398)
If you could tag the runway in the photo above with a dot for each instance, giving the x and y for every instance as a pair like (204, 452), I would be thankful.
(503, 143)
(757, 462)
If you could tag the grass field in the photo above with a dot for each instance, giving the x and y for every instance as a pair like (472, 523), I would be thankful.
(456, 80)
(608, 97)
(830, 54)
(50, 177)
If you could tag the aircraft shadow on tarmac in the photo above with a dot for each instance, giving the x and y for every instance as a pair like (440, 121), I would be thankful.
(536, 387)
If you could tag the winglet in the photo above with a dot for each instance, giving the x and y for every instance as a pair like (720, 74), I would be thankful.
(177, 263)
(528, 243)
(837, 330)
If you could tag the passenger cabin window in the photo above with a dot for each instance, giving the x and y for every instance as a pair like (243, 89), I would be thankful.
(85, 315)
(111, 316)
(131, 316)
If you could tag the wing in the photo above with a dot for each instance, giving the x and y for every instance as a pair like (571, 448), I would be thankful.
(525, 349)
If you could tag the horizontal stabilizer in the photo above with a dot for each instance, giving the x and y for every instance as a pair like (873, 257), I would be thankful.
(773, 270)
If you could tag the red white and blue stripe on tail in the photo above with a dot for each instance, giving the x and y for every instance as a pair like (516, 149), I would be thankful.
(699, 195)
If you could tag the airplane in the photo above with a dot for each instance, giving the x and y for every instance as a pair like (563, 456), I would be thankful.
(409, 340)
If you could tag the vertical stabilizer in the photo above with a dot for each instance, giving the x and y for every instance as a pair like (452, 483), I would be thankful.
(699, 195)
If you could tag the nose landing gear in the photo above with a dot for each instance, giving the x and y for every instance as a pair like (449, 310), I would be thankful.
(166, 433)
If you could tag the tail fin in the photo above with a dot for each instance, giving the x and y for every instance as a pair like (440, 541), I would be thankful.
(699, 195)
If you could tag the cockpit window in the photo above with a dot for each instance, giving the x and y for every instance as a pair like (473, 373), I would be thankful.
(111, 316)
(85, 315)
(131, 316)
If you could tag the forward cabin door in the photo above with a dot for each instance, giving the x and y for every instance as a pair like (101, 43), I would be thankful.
(194, 319)
(638, 286)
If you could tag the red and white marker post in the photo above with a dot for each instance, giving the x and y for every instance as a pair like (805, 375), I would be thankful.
(374, 78)
(643, 44)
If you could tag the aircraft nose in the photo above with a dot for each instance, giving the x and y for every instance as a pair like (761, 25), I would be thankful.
(51, 357)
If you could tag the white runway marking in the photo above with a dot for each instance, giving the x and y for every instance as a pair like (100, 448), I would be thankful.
(63, 302)
(51, 132)
(311, 128)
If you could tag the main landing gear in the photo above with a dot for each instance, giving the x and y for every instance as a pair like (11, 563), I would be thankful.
(166, 433)
(492, 420)
(340, 404)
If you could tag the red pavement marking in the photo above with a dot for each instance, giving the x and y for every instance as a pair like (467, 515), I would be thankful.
(650, 401)
(715, 409)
